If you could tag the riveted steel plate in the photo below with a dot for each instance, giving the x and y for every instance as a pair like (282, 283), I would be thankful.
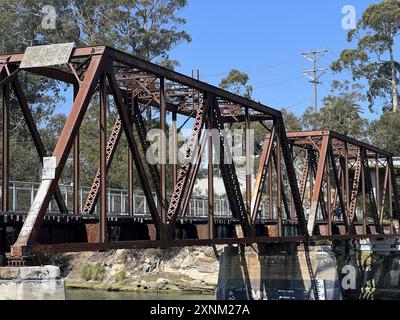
(45, 56)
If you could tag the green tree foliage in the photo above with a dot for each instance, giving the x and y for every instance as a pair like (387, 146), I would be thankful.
(237, 82)
(291, 121)
(374, 58)
(146, 28)
(341, 112)
(384, 132)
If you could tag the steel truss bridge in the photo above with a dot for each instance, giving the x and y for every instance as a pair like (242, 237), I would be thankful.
(319, 183)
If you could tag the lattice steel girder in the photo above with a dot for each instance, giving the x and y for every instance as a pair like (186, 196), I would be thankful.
(111, 149)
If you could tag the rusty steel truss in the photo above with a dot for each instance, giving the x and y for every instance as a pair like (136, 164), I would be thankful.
(334, 172)
(351, 186)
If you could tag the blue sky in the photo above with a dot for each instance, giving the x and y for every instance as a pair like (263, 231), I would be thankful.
(265, 39)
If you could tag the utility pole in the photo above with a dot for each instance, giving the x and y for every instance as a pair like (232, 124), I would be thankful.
(316, 73)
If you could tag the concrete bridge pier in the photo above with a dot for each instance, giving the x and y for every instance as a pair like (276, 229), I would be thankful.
(31, 283)
(277, 272)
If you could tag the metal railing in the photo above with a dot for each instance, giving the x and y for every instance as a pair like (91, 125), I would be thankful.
(22, 195)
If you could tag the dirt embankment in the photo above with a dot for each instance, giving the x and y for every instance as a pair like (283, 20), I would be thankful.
(186, 269)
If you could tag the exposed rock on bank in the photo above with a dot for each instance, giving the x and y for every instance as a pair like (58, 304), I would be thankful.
(182, 269)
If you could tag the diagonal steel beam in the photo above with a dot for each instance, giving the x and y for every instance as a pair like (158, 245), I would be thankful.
(141, 131)
(355, 189)
(229, 176)
(395, 189)
(111, 148)
(126, 124)
(262, 174)
(318, 184)
(195, 173)
(291, 174)
(304, 176)
(384, 193)
(186, 173)
(37, 140)
(313, 163)
(339, 190)
(283, 191)
(46, 189)
(370, 191)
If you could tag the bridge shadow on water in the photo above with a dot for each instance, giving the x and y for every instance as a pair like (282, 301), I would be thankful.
(261, 273)
(377, 273)
(278, 272)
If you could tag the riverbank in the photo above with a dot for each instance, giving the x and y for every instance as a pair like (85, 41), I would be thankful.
(87, 294)
(178, 270)
(161, 285)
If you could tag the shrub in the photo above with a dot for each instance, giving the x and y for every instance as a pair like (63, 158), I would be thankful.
(120, 276)
(92, 272)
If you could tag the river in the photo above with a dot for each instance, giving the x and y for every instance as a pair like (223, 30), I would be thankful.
(83, 294)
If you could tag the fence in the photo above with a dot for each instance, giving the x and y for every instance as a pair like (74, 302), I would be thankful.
(22, 194)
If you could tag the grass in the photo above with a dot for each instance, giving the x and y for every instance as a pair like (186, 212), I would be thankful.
(92, 272)
(120, 276)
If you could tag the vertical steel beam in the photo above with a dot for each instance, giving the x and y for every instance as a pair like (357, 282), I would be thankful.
(163, 157)
(130, 164)
(76, 166)
(174, 149)
(270, 191)
(36, 213)
(130, 184)
(377, 183)
(247, 139)
(364, 200)
(346, 177)
(279, 184)
(6, 148)
(103, 160)
(395, 190)
(210, 179)
(392, 230)
(328, 195)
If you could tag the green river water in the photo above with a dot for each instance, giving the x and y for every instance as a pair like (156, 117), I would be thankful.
(83, 294)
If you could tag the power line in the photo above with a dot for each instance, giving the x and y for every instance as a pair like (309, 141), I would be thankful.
(316, 73)
(250, 70)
